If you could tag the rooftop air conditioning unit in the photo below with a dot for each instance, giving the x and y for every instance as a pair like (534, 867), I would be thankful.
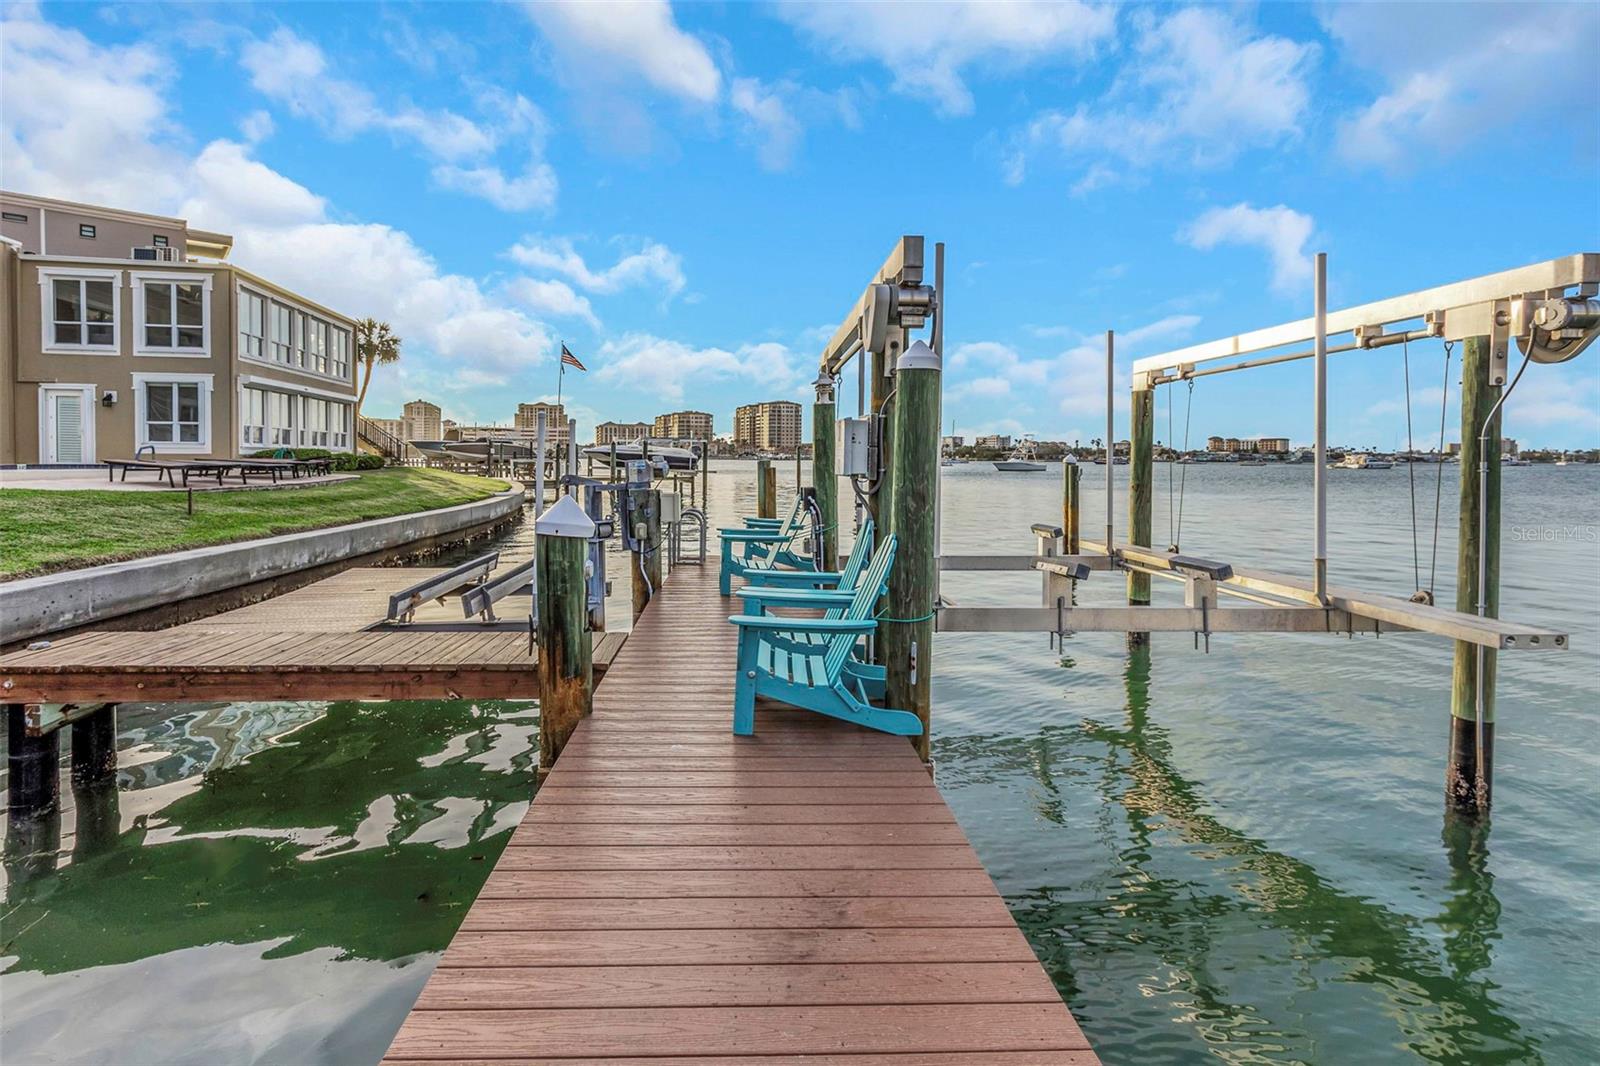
(157, 253)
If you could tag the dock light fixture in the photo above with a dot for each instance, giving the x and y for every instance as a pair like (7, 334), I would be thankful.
(824, 385)
(919, 357)
(565, 518)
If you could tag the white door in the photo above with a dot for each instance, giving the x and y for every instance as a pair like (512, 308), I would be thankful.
(68, 432)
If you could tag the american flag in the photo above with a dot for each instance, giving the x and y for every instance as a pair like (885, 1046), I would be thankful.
(568, 359)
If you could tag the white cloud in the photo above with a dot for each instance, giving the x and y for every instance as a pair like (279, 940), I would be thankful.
(627, 39)
(1072, 380)
(768, 119)
(1200, 87)
(927, 45)
(1279, 231)
(663, 367)
(71, 105)
(533, 189)
(294, 71)
(256, 127)
(1451, 80)
(654, 263)
(552, 298)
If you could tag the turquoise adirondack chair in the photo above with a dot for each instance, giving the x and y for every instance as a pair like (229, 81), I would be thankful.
(779, 659)
(774, 588)
(819, 579)
(747, 551)
(795, 515)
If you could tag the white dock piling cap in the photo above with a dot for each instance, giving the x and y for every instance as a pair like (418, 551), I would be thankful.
(919, 357)
(564, 519)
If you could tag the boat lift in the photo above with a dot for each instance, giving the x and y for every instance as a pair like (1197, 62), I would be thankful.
(1549, 311)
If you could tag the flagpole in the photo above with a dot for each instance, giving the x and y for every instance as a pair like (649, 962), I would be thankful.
(562, 373)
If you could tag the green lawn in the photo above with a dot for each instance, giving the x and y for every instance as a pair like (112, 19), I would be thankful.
(43, 531)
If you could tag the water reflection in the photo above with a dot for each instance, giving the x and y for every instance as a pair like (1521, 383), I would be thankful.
(1209, 911)
(349, 838)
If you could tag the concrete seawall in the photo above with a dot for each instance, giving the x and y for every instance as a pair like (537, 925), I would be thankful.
(55, 602)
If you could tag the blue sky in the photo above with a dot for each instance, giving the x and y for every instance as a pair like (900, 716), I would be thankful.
(692, 195)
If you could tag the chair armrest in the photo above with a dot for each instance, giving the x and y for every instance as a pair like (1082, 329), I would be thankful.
(804, 625)
(801, 578)
(753, 535)
(799, 597)
(763, 523)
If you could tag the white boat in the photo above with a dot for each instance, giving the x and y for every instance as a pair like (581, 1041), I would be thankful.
(471, 451)
(1020, 461)
(1360, 462)
(677, 458)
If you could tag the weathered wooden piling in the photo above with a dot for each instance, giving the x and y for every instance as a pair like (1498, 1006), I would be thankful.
(1468, 782)
(94, 746)
(766, 489)
(1071, 505)
(906, 626)
(644, 508)
(1141, 477)
(566, 672)
(824, 472)
(33, 765)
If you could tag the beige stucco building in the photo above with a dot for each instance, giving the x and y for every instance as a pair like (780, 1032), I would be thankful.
(683, 425)
(121, 331)
(620, 432)
(773, 426)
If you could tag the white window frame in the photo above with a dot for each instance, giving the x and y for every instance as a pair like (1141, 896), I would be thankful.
(140, 380)
(243, 293)
(244, 422)
(137, 278)
(47, 312)
(90, 400)
(297, 393)
(297, 351)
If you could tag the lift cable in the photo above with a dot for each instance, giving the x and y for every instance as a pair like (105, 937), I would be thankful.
(1438, 481)
(1411, 474)
(1183, 479)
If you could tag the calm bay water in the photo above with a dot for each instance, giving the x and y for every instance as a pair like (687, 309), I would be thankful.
(1239, 855)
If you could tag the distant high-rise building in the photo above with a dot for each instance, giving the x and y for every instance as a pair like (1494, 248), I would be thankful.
(773, 426)
(555, 421)
(682, 425)
(994, 440)
(422, 421)
(620, 432)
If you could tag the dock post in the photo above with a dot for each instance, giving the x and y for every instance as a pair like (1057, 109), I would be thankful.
(705, 477)
(906, 627)
(644, 510)
(1141, 476)
(566, 672)
(824, 479)
(1071, 505)
(33, 765)
(1469, 771)
(94, 746)
(766, 489)
(881, 503)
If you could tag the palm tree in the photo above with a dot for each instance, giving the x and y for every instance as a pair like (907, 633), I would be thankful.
(375, 343)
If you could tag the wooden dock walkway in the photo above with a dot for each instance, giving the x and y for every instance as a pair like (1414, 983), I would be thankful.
(679, 895)
(314, 643)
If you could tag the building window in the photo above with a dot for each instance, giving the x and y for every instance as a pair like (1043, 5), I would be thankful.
(253, 416)
(341, 354)
(316, 344)
(252, 324)
(83, 313)
(13, 216)
(174, 315)
(282, 334)
(281, 421)
(86, 231)
(339, 426)
(159, 241)
(172, 412)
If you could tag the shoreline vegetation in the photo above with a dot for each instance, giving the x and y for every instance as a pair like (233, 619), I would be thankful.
(46, 531)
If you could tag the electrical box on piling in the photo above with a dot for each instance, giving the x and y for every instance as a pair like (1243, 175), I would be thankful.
(853, 447)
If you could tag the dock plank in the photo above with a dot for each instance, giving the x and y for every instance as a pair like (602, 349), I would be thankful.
(676, 894)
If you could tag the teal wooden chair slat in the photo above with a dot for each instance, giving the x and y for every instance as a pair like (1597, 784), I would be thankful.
(747, 551)
(819, 579)
(783, 659)
(759, 596)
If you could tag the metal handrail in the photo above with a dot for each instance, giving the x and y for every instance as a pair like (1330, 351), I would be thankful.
(403, 604)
